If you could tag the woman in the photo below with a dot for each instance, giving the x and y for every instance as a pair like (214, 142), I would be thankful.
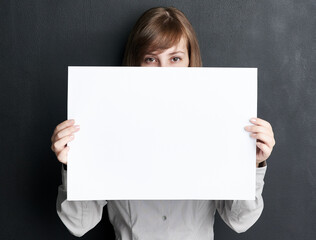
(162, 37)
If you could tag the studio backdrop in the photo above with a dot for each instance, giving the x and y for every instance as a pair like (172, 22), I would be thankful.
(40, 39)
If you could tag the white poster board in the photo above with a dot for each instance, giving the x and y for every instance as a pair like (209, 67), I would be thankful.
(161, 133)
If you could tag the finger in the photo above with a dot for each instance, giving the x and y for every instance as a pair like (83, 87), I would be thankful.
(266, 139)
(258, 129)
(266, 151)
(65, 132)
(62, 126)
(62, 156)
(261, 122)
(61, 144)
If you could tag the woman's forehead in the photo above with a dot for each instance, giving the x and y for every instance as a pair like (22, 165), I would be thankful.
(181, 46)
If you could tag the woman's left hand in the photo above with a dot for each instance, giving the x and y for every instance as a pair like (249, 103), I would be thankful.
(262, 131)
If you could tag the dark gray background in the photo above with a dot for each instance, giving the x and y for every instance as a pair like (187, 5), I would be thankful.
(39, 39)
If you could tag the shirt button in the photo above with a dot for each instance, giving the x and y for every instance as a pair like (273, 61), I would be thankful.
(164, 218)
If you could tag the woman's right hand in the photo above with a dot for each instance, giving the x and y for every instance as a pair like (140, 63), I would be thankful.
(63, 134)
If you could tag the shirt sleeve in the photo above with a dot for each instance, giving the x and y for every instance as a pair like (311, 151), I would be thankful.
(240, 215)
(78, 216)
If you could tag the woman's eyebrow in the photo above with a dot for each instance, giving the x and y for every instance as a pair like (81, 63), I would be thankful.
(176, 52)
(155, 53)
(150, 54)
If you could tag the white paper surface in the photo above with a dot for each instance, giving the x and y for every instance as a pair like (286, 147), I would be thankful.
(161, 133)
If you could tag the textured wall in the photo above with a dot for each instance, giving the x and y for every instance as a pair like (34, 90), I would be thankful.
(39, 39)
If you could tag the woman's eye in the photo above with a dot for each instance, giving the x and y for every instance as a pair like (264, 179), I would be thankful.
(176, 59)
(149, 60)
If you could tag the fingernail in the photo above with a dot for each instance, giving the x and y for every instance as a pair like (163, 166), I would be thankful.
(77, 126)
(246, 128)
(252, 120)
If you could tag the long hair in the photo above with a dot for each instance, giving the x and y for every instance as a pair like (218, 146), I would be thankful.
(158, 29)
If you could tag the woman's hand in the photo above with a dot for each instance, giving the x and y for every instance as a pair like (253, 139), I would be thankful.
(63, 134)
(262, 131)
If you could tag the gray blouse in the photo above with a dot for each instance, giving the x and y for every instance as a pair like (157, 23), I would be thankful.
(160, 219)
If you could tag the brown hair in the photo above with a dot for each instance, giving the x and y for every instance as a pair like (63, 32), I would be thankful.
(158, 29)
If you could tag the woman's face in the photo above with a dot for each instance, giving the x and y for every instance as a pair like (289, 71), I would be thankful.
(176, 56)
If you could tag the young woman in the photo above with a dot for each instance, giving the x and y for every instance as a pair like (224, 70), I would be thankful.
(162, 37)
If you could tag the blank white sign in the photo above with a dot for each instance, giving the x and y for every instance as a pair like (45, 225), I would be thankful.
(161, 133)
